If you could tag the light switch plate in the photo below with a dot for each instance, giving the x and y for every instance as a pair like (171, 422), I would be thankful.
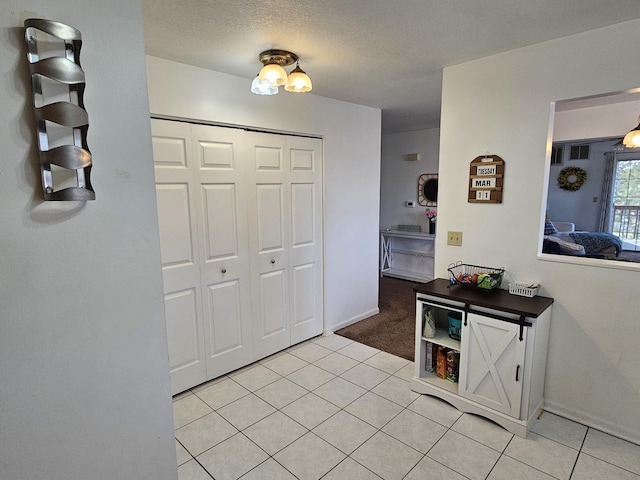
(454, 238)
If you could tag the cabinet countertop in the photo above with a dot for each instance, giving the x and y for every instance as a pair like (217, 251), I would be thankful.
(500, 300)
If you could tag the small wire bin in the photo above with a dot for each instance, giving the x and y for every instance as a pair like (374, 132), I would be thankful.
(486, 278)
(524, 289)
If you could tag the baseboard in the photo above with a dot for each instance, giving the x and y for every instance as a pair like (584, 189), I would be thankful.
(351, 321)
(593, 421)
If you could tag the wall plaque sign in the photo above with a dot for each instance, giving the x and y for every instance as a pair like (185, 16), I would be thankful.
(486, 179)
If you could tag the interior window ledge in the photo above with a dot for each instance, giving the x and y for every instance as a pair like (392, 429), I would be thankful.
(591, 262)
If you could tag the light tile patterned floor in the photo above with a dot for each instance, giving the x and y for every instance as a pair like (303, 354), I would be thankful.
(334, 409)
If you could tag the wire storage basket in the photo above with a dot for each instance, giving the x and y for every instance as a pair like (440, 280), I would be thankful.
(486, 278)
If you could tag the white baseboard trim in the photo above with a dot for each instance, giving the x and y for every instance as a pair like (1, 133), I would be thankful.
(593, 421)
(352, 320)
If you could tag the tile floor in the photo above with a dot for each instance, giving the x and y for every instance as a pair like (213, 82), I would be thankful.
(334, 409)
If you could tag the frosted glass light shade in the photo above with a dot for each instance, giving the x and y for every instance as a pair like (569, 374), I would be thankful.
(262, 88)
(632, 139)
(274, 74)
(298, 81)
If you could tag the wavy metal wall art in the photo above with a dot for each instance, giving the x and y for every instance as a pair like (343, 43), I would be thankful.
(58, 82)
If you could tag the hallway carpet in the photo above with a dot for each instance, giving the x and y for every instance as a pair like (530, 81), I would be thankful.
(393, 329)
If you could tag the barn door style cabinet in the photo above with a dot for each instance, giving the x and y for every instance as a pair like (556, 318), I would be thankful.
(500, 356)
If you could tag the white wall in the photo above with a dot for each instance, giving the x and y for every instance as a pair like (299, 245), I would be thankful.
(601, 121)
(351, 135)
(592, 368)
(399, 177)
(84, 389)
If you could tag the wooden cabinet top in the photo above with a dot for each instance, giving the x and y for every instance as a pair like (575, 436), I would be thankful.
(500, 300)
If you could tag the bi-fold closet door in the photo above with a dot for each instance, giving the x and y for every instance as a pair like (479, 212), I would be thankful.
(240, 217)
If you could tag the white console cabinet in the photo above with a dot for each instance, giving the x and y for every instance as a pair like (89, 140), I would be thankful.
(407, 255)
(503, 352)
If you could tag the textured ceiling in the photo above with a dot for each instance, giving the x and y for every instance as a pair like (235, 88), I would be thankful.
(387, 54)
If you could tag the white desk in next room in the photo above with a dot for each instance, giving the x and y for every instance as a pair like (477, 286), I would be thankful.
(407, 255)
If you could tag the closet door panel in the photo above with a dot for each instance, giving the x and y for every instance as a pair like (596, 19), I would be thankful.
(220, 213)
(269, 244)
(175, 224)
(226, 348)
(268, 154)
(176, 203)
(170, 146)
(302, 215)
(305, 255)
(270, 218)
(224, 301)
(304, 155)
(220, 173)
(272, 298)
(303, 296)
(186, 346)
(217, 155)
(303, 266)
(271, 324)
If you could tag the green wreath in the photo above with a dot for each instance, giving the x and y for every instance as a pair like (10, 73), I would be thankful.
(565, 174)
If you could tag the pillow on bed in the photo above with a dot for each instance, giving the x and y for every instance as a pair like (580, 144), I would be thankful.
(549, 228)
(560, 246)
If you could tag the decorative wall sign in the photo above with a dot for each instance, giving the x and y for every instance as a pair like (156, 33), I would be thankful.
(571, 178)
(57, 80)
(486, 179)
(428, 189)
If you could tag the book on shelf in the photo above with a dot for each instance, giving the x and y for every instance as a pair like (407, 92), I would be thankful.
(442, 361)
(453, 362)
(430, 361)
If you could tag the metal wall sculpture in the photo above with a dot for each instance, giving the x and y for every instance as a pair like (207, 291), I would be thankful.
(58, 82)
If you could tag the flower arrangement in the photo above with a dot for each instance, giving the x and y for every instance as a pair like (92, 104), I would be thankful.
(431, 214)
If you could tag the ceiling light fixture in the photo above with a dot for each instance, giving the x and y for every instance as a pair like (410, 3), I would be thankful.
(262, 87)
(298, 81)
(273, 75)
(632, 139)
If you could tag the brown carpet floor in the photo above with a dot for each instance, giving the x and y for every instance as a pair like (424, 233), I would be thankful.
(393, 329)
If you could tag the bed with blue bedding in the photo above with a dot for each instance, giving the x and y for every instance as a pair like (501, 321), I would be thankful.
(598, 243)
(581, 243)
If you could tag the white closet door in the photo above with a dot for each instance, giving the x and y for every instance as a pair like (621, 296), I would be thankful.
(179, 249)
(285, 211)
(269, 220)
(220, 174)
(241, 236)
(305, 233)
